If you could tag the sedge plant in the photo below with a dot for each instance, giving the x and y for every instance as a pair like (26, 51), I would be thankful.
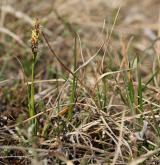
(31, 87)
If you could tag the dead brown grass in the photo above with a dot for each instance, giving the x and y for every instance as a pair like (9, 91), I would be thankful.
(107, 45)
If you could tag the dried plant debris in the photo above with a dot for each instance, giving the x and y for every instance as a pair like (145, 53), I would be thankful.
(81, 85)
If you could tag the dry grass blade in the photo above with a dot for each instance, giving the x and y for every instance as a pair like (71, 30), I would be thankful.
(120, 141)
(47, 81)
(142, 158)
(109, 38)
(111, 73)
(18, 14)
(58, 59)
(14, 36)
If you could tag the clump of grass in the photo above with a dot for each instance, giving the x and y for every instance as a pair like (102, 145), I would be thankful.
(31, 92)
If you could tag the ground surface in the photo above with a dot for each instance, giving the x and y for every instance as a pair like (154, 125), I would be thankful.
(103, 110)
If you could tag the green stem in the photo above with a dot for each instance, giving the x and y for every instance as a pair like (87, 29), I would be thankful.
(73, 84)
(32, 92)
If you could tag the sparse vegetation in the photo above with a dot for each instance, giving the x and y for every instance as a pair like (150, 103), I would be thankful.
(81, 84)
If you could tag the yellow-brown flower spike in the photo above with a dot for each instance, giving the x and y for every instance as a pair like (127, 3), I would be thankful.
(35, 37)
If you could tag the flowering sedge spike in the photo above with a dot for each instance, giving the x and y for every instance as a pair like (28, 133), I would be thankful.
(35, 37)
